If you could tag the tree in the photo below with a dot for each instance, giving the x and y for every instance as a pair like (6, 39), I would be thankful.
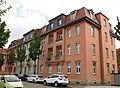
(117, 29)
(11, 59)
(118, 61)
(4, 33)
(35, 49)
(21, 56)
(1, 60)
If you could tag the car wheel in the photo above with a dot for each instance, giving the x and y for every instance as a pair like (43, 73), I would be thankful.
(45, 83)
(56, 84)
(33, 81)
(65, 86)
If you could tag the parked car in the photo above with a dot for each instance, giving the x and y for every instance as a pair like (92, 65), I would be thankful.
(35, 78)
(10, 81)
(56, 79)
(24, 77)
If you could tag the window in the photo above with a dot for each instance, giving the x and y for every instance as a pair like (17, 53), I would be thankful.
(41, 69)
(92, 32)
(78, 30)
(94, 67)
(59, 68)
(43, 41)
(69, 33)
(68, 67)
(51, 25)
(31, 35)
(111, 40)
(108, 68)
(59, 22)
(78, 67)
(106, 52)
(73, 15)
(77, 48)
(105, 23)
(105, 36)
(113, 68)
(92, 15)
(68, 49)
(93, 49)
(43, 54)
(112, 55)
(49, 69)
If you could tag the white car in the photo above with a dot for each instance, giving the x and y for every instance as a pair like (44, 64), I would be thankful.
(56, 79)
(35, 78)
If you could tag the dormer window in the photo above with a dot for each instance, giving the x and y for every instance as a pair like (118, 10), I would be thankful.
(59, 22)
(51, 25)
(73, 15)
(92, 15)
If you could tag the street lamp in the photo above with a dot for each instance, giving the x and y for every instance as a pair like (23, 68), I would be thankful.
(39, 52)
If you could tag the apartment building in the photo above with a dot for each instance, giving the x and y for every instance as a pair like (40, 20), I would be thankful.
(3, 52)
(13, 46)
(27, 65)
(80, 45)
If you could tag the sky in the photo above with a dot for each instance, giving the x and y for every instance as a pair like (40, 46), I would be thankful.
(26, 15)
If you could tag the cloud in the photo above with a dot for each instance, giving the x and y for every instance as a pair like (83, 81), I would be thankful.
(26, 15)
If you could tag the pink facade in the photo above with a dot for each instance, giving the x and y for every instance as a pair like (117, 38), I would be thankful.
(96, 52)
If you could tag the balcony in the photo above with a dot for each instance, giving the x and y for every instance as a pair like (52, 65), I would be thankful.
(59, 41)
(54, 60)
(50, 43)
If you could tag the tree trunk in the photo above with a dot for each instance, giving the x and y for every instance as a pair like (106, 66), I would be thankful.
(20, 68)
(34, 67)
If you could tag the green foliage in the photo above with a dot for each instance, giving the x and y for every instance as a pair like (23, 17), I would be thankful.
(4, 33)
(3, 11)
(118, 61)
(117, 30)
(21, 55)
(35, 49)
(1, 60)
(11, 58)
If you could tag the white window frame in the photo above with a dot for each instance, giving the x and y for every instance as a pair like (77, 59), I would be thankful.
(77, 48)
(59, 21)
(68, 67)
(106, 39)
(92, 32)
(78, 30)
(68, 33)
(49, 68)
(51, 25)
(94, 67)
(41, 68)
(105, 24)
(59, 68)
(112, 54)
(78, 67)
(68, 49)
(93, 49)
(108, 68)
(107, 52)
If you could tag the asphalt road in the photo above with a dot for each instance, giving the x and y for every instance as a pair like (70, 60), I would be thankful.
(39, 85)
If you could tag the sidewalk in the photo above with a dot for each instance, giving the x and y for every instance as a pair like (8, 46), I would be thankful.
(92, 86)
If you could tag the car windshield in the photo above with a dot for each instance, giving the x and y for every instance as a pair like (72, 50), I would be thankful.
(40, 76)
(12, 79)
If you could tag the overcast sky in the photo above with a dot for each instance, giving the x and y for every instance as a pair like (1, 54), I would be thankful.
(26, 15)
